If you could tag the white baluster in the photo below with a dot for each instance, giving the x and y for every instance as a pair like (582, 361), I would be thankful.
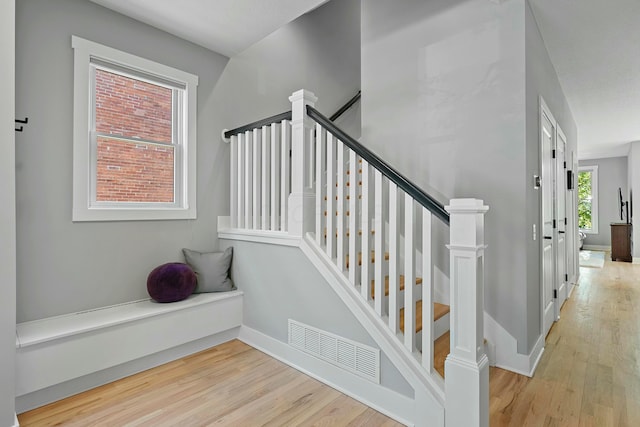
(266, 177)
(233, 180)
(354, 240)
(409, 277)
(285, 177)
(394, 253)
(467, 367)
(331, 195)
(241, 181)
(341, 208)
(320, 182)
(248, 179)
(427, 293)
(275, 176)
(365, 270)
(379, 243)
(257, 149)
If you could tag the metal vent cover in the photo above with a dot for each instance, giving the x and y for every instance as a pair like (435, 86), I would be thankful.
(352, 356)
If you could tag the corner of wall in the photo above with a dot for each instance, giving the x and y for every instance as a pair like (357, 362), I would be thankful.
(506, 349)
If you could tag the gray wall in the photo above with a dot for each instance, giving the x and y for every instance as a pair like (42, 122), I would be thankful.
(612, 174)
(443, 101)
(63, 266)
(7, 215)
(298, 292)
(541, 80)
(319, 51)
(450, 97)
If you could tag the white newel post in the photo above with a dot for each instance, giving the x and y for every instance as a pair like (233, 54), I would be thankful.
(467, 366)
(301, 200)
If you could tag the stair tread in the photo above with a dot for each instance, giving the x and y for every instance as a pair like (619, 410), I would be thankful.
(386, 283)
(373, 257)
(439, 310)
(359, 233)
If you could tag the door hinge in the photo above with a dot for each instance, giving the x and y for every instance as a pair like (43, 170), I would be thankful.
(565, 165)
(566, 277)
(554, 223)
(565, 221)
(553, 154)
(555, 293)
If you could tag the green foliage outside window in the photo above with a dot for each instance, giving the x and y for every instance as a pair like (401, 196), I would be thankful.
(585, 196)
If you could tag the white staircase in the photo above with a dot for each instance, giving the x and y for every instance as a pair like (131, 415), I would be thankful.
(296, 177)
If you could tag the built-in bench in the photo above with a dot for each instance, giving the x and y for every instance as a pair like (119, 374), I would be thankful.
(57, 349)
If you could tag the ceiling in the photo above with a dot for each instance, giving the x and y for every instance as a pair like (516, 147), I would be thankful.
(595, 48)
(593, 44)
(224, 26)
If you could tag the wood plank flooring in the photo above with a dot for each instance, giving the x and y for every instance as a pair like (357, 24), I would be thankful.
(589, 375)
(228, 385)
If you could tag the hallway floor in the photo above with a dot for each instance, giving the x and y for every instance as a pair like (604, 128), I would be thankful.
(589, 374)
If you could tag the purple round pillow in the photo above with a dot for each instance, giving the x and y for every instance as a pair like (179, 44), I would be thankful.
(171, 282)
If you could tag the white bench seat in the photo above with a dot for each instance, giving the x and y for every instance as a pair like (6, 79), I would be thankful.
(57, 349)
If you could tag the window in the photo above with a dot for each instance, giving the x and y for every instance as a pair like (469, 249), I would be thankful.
(588, 199)
(134, 141)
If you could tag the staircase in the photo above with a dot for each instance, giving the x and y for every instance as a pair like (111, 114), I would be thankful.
(297, 176)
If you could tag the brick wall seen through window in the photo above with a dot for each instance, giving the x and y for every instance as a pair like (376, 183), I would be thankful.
(133, 171)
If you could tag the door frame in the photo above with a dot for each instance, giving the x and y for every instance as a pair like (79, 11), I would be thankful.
(545, 324)
(561, 192)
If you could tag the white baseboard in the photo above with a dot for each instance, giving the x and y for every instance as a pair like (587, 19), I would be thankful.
(382, 399)
(15, 421)
(635, 260)
(69, 388)
(603, 248)
(506, 349)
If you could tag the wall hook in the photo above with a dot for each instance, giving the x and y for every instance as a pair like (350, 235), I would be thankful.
(21, 128)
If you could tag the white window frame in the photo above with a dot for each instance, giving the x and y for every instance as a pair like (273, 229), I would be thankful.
(594, 197)
(85, 206)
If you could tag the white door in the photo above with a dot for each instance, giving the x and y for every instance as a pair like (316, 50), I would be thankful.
(561, 219)
(547, 142)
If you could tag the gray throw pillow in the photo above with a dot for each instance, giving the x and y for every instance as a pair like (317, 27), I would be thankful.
(212, 270)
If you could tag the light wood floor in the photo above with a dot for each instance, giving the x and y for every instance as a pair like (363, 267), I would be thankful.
(229, 385)
(589, 375)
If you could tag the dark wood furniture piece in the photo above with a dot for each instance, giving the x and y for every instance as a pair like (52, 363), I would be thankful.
(620, 242)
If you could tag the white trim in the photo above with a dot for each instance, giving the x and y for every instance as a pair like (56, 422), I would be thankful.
(83, 210)
(268, 237)
(635, 260)
(506, 349)
(15, 420)
(382, 399)
(603, 248)
(594, 196)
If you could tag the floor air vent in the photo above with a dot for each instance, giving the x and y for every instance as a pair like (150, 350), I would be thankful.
(358, 358)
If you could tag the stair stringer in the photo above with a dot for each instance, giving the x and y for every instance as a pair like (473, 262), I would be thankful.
(429, 389)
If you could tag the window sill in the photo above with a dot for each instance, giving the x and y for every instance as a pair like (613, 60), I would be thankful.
(87, 215)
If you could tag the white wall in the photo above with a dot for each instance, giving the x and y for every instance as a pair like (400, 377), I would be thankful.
(443, 102)
(7, 215)
(296, 290)
(612, 174)
(319, 51)
(63, 266)
(541, 80)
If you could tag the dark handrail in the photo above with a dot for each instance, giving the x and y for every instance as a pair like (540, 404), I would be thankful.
(258, 124)
(345, 107)
(402, 182)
